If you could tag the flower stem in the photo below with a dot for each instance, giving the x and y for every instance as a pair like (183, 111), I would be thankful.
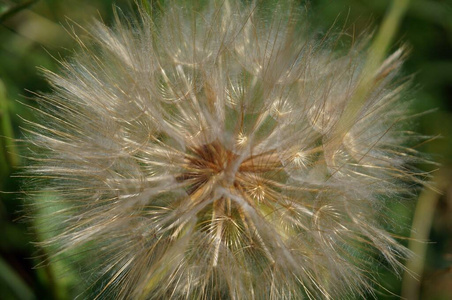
(377, 53)
(422, 223)
(6, 129)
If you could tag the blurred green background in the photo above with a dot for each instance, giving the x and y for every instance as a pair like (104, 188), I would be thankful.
(33, 33)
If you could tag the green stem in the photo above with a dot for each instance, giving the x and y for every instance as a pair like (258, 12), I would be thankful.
(15, 9)
(15, 282)
(422, 223)
(6, 129)
(377, 53)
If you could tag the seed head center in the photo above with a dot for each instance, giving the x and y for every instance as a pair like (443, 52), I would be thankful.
(212, 165)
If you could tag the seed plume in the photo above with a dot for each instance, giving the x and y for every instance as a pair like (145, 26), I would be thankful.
(195, 154)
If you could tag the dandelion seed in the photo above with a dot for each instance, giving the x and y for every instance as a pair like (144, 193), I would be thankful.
(300, 159)
(192, 157)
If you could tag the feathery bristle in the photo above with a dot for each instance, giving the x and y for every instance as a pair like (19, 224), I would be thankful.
(192, 156)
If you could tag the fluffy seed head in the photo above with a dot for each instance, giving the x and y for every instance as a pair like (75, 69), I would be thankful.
(195, 155)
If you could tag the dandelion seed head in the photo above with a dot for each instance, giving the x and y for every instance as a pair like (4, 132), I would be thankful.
(192, 155)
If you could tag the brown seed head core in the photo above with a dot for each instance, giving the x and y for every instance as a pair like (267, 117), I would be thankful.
(212, 165)
(231, 184)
